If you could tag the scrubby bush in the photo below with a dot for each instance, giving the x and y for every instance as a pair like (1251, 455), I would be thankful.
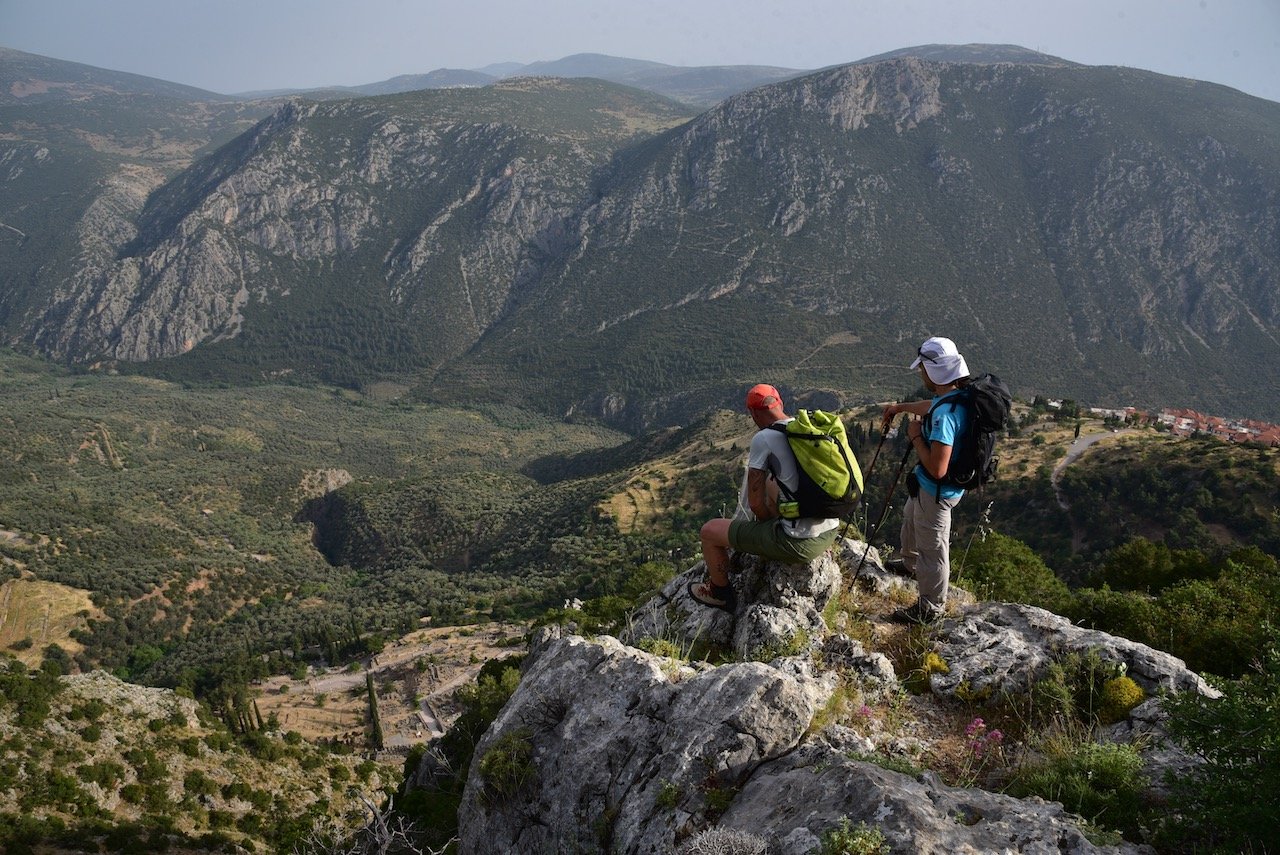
(1119, 696)
(507, 767)
(724, 841)
(1001, 568)
(434, 806)
(197, 783)
(1102, 782)
(1083, 688)
(1124, 613)
(849, 839)
(1230, 803)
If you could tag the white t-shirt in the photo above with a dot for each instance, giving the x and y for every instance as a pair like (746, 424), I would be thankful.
(770, 453)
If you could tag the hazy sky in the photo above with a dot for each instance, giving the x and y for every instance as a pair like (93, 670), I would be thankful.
(239, 45)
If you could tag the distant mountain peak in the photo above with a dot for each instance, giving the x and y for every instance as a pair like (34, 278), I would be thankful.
(28, 77)
(976, 53)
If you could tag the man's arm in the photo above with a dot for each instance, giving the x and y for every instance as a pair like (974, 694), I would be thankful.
(758, 496)
(934, 456)
(915, 408)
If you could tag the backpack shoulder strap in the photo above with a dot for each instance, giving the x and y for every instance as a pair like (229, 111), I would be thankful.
(953, 400)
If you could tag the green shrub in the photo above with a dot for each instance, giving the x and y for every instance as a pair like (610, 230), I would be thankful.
(849, 839)
(997, 567)
(1231, 802)
(1101, 782)
(219, 740)
(1086, 688)
(1119, 696)
(507, 767)
(104, 773)
(1051, 697)
(197, 783)
(1124, 613)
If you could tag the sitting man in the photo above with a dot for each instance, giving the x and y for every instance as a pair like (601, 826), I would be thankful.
(771, 466)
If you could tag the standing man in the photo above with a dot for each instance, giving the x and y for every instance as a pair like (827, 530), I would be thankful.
(771, 466)
(935, 435)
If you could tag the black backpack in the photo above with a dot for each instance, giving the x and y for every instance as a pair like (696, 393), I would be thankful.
(987, 401)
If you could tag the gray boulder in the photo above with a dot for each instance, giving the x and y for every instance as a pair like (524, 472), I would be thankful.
(779, 609)
(993, 648)
(848, 654)
(605, 747)
(874, 575)
(617, 750)
(1163, 760)
(800, 797)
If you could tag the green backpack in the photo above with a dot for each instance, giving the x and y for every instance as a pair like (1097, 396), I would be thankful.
(830, 480)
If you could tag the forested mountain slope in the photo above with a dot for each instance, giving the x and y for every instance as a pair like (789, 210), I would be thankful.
(1103, 233)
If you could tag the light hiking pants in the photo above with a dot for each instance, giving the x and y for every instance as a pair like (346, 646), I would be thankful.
(926, 545)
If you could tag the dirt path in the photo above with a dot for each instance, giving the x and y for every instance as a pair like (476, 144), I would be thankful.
(1078, 447)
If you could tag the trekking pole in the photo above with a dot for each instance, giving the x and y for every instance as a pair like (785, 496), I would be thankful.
(866, 478)
(884, 434)
(884, 509)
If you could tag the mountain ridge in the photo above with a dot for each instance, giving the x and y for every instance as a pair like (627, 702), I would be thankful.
(1129, 216)
(29, 77)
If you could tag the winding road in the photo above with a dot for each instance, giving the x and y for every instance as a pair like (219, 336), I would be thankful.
(1078, 447)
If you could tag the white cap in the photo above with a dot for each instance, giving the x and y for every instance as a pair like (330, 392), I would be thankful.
(942, 361)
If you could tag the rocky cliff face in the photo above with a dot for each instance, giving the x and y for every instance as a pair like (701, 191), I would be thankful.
(605, 747)
(501, 239)
(435, 210)
(870, 204)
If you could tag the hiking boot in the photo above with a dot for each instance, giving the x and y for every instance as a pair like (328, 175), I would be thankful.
(716, 596)
(919, 613)
(898, 567)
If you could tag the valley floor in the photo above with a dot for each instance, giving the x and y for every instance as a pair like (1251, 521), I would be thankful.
(415, 678)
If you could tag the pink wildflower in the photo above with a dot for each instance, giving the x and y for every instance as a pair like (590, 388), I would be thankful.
(864, 711)
(975, 726)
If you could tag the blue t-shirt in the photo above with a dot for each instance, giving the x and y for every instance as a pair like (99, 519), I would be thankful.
(947, 426)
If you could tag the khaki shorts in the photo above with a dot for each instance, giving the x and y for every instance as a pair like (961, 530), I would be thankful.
(767, 539)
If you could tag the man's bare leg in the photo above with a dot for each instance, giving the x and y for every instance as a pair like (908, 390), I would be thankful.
(715, 551)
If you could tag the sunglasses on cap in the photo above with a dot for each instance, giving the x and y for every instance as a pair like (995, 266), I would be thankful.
(928, 357)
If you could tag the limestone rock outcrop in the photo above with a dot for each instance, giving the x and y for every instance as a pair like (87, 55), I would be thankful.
(629, 751)
(1003, 647)
(606, 747)
(815, 787)
(779, 607)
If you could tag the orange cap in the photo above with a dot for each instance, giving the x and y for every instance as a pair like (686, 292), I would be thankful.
(762, 396)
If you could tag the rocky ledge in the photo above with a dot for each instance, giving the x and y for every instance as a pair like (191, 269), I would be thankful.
(606, 747)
